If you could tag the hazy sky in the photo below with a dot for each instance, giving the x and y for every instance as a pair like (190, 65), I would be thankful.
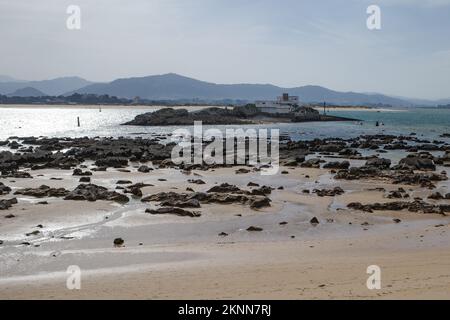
(284, 42)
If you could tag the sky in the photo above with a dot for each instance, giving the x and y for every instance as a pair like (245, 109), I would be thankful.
(283, 42)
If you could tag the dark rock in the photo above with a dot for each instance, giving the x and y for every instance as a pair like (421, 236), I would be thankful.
(254, 229)
(85, 179)
(416, 163)
(242, 171)
(144, 169)
(118, 242)
(312, 163)
(7, 203)
(260, 203)
(124, 182)
(115, 162)
(329, 193)
(92, 192)
(191, 203)
(196, 181)
(314, 221)
(436, 196)
(252, 184)
(43, 191)
(224, 188)
(337, 165)
(33, 233)
(175, 211)
(380, 163)
(79, 172)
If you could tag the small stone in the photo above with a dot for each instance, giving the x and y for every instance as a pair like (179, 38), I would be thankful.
(314, 221)
(119, 242)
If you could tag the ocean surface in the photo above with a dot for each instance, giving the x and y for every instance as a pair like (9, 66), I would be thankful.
(62, 122)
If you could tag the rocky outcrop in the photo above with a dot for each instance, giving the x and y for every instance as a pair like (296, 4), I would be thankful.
(175, 211)
(4, 189)
(329, 192)
(337, 165)
(92, 192)
(43, 191)
(7, 203)
(415, 206)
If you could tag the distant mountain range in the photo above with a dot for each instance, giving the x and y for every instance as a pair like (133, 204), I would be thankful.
(176, 87)
(27, 92)
(53, 87)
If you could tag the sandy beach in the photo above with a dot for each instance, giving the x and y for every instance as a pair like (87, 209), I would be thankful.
(185, 258)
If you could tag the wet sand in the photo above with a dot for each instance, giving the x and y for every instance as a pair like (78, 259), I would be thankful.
(184, 258)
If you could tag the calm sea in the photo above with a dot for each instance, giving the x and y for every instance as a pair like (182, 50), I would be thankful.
(62, 122)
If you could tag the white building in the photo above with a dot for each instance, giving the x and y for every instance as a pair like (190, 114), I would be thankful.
(283, 104)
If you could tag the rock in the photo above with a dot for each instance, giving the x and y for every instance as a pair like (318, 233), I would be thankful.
(379, 163)
(92, 192)
(415, 206)
(314, 221)
(85, 179)
(1, 242)
(260, 203)
(124, 182)
(118, 242)
(42, 202)
(224, 188)
(252, 184)
(223, 234)
(329, 193)
(191, 203)
(416, 163)
(175, 211)
(447, 196)
(436, 196)
(337, 165)
(254, 229)
(79, 172)
(262, 191)
(311, 163)
(398, 194)
(196, 181)
(242, 171)
(10, 216)
(283, 223)
(5, 204)
(209, 116)
(4, 189)
(33, 233)
(144, 169)
(397, 220)
(43, 191)
(115, 162)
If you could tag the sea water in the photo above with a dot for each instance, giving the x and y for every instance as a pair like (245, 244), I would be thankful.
(62, 122)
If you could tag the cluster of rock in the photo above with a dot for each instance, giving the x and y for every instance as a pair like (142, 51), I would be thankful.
(221, 194)
(106, 152)
(43, 191)
(92, 192)
(414, 206)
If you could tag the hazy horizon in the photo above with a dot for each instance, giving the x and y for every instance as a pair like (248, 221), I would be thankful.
(284, 43)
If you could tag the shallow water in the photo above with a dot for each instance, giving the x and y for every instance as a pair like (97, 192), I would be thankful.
(41, 121)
